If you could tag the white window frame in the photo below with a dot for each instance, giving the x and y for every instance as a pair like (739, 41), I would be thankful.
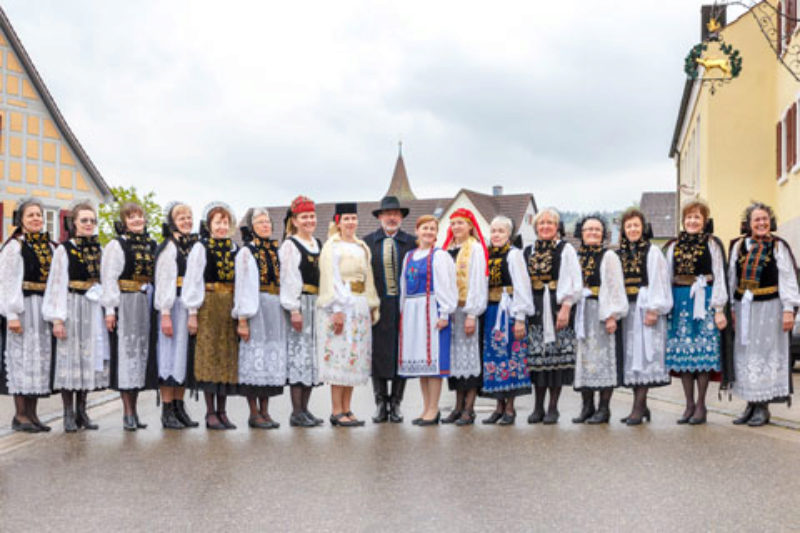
(53, 227)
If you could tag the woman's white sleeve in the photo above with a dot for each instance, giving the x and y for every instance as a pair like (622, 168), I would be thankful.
(732, 278)
(291, 279)
(247, 287)
(719, 292)
(570, 278)
(444, 286)
(193, 292)
(659, 288)
(13, 272)
(613, 301)
(478, 293)
(111, 268)
(54, 303)
(522, 300)
(787, 278)
(166, 289)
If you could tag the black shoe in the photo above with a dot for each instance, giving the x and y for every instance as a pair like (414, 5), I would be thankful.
(42, 427)
(551, 417)
(433, 422)
(747, 415)
(182, 416)
(685, 417)
(535, 417)
(317, 421)
(168, 418)
(70, 425)
(217, 425)
(601, 416)
(129, 423)
(493, 418)
(467, 418)
(381, 413)
(301, 420)
(508, 419)
(259, 422)
(416, 421)
(83, 421)
(760, 416)
(139, 423)
(223, 417)
(395, 415)
(633, 421)
(454, 415)
(698, 420)
(25, 427)
(587, 411)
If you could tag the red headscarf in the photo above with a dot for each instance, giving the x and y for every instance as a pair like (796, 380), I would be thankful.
(302, 204)
(470, 217)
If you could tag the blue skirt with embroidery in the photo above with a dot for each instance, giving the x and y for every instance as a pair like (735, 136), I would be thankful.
(692, 345)
(505, 373)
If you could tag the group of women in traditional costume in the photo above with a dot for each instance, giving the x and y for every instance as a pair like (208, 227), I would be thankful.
(207, 313)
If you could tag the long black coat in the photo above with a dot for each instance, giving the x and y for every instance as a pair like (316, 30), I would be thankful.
(385, 332)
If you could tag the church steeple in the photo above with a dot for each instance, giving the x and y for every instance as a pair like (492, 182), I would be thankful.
(399, 186)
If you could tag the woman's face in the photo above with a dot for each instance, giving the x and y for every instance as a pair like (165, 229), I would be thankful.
(546, 228)
(85, 223)
(592, 232)
(348, 224)
(306, 223)
(262, 226)
(498, 235)
(461, 228)
(220, 226)
(694, 221)
(32, 221)
(426, 234)
(184, 221)
(135, 222)
(759, 223)
(633, 229)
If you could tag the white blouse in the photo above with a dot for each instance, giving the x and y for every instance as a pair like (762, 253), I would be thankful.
(570, 277)
(659, 283)
(193, 292)
(612, 298)
(719, 293)
(291, 279)
(166, 289)
(478, 290)
(787, 278)
(110, 270)
(522, 299)
(444, 285)
(54, 305)
(247, 287)
(12, 272)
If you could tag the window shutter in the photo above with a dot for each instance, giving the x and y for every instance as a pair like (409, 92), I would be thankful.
(793, 133)
(62, 225)
(779, 28)
(779, 154)
(791, 15)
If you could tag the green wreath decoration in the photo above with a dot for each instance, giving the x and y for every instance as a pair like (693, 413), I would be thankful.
(690, 63)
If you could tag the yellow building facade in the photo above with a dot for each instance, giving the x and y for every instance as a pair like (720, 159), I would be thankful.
(725, 144)
(39, 154)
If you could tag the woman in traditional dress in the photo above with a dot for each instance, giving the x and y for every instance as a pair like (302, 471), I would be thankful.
(126, 274)
(556, 283)
(602, 305)
(466, 246)
(505, 346)
(299, 256)
(763, 285)
(644, 330)
(175, 347)
(262, 325)
(24, 266)
(208, 295)
(428, 296)
(348, 306)
(696, 263)
(72, 305)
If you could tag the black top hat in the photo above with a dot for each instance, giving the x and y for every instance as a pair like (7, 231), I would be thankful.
(348, 208)
(390, 202)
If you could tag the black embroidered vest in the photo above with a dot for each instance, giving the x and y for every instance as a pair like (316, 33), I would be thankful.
(83, 254)
(139, 250)
(499, 274)
(633, 257)
(544, 263)
(691, 257)
(309, 265)
(220, 254)
(36, 258)
(591, 259)
(757, 270)
(265, 253)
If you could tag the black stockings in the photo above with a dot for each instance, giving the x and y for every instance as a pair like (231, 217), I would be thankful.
(696, 408)
(555, 393)
(301, 394)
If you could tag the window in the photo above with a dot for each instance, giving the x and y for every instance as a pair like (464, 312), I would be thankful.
(786, 23)
(50, 223)
(786, 142)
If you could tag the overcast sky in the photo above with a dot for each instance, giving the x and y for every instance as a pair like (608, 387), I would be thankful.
(254, 102)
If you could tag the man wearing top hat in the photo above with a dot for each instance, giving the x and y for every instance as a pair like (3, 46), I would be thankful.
(388, 245)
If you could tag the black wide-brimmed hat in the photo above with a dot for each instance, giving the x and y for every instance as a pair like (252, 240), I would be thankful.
(389, 203)
(348, 208)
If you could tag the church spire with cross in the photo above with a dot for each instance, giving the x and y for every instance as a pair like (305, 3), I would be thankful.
(399, 186)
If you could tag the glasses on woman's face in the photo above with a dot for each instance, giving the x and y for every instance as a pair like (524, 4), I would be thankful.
(92, 221)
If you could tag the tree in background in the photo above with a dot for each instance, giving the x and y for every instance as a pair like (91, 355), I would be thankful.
(108, 213)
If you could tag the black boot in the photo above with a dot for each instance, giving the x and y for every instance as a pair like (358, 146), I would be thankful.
(183, 417)
(746, 415)
(398, 388)
(168, 418)
(81, 416)
(69, 421)
(601, 416)
(380, 388)
(587, 410)
(760, 415)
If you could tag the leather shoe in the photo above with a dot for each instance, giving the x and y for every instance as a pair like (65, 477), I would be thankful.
(454, 415)
(381, 413)
(216, 425)
(83, 421)
(432, 422)
(760, 416)
(223, 417)
(467, 418)
(259, 422)
(395, 415)
(551, 417)
(129, 423)
(139, 423)
(182, 416)
(508, 419)
(601, 416)
(492, 418)
(317, 421)
(301, 420)
(70, 426)
(25, 427)
(746, 415)
(587, 412)
(535, 417)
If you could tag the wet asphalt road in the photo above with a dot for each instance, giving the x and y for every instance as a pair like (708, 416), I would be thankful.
(401, 477)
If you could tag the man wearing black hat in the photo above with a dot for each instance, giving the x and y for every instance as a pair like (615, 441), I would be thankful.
(388, 245)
